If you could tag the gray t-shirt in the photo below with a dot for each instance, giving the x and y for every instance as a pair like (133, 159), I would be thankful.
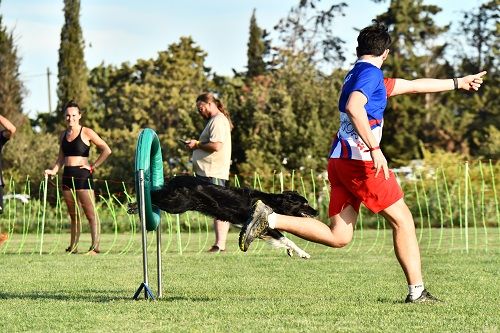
(214, 164)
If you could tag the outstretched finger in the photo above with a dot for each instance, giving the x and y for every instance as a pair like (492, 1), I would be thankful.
(480, 75)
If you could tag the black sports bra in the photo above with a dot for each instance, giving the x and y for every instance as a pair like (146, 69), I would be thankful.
(76, 147)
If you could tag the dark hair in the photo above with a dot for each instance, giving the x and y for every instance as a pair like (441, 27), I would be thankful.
(210, 98)
(373, 40)
(71, 104)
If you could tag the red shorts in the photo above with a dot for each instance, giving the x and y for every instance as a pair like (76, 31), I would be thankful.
(353, 182)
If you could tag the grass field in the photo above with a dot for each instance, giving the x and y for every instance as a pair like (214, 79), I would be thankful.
(357, 289)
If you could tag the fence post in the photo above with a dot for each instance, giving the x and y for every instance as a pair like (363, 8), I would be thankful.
(142, 216)
(44, 209)
(466, 206)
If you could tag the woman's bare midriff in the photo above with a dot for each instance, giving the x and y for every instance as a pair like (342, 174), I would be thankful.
(76, 161)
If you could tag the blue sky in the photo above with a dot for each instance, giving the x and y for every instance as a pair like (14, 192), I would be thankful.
(126, 30)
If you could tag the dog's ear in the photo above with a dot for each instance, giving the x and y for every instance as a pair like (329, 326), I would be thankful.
(291, 192)
(294, 195)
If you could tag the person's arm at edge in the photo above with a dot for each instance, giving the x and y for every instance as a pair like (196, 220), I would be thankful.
(9, 127)
(427, 85)
(355, 109)
(100, 144)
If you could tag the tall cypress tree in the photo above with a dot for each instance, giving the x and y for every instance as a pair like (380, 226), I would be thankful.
(256, 49)
(11, 87)
(72, 71)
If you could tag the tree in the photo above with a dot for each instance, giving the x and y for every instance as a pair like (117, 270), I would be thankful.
(158, 93)
(258, 47)
(284, 120)
(414, 53)
(309, 30)
(279, 117)
(19, 154)
(481, 30)
(28, 154)
(72, 72)
(11, 86)
(313, 101)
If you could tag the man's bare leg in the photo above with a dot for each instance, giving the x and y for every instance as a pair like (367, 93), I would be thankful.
(339, 234)
(405, 240)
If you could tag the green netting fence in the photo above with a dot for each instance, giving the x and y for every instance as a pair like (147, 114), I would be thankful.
(455, 207)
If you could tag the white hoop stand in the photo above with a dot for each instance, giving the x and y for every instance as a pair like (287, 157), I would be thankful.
(148, 294)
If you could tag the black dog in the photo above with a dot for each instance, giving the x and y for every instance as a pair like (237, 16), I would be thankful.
(183, 193)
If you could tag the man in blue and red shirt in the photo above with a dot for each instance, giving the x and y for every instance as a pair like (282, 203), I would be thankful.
(357, 167)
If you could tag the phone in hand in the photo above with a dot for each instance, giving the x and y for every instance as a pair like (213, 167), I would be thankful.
(183, 141)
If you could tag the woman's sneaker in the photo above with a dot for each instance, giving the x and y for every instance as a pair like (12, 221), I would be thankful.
(255, 226)
(426, 297)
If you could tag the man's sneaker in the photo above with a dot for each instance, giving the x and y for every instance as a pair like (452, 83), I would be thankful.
(255, 226)
(426, 297)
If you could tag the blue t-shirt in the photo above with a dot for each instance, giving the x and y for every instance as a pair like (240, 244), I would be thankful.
(369, 80)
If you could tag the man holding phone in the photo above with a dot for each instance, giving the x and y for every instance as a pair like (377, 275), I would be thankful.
(212, 154)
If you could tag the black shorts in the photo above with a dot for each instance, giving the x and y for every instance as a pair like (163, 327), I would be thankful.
(81, 177)
(216, 181)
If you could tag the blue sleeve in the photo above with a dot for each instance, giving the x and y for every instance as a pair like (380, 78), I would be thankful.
(368, 81)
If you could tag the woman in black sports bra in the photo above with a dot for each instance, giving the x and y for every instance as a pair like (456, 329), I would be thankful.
(77, 182)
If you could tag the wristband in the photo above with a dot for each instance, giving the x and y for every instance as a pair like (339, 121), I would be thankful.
(455, 83)
(374, 148)
(92, 167)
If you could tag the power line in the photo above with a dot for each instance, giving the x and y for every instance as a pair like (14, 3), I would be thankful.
(34, 75)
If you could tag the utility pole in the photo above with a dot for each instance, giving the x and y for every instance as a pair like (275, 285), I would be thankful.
(48, 87)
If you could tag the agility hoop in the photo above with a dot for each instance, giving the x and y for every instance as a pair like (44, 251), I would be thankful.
(148, 176)
(148, 158)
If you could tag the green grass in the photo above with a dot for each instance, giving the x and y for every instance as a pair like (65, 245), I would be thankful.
(356, 289)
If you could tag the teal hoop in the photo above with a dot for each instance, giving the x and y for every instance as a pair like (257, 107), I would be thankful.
(148, 158)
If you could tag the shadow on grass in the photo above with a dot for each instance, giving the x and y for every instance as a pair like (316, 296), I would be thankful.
(92, 296)
(188, 299)
(84, 295)
(390, 301)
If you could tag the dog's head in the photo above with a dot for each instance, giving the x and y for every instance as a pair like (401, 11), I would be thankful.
(292, 203)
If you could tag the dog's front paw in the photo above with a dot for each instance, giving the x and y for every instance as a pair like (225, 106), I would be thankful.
(133, 208)
(303, 254)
